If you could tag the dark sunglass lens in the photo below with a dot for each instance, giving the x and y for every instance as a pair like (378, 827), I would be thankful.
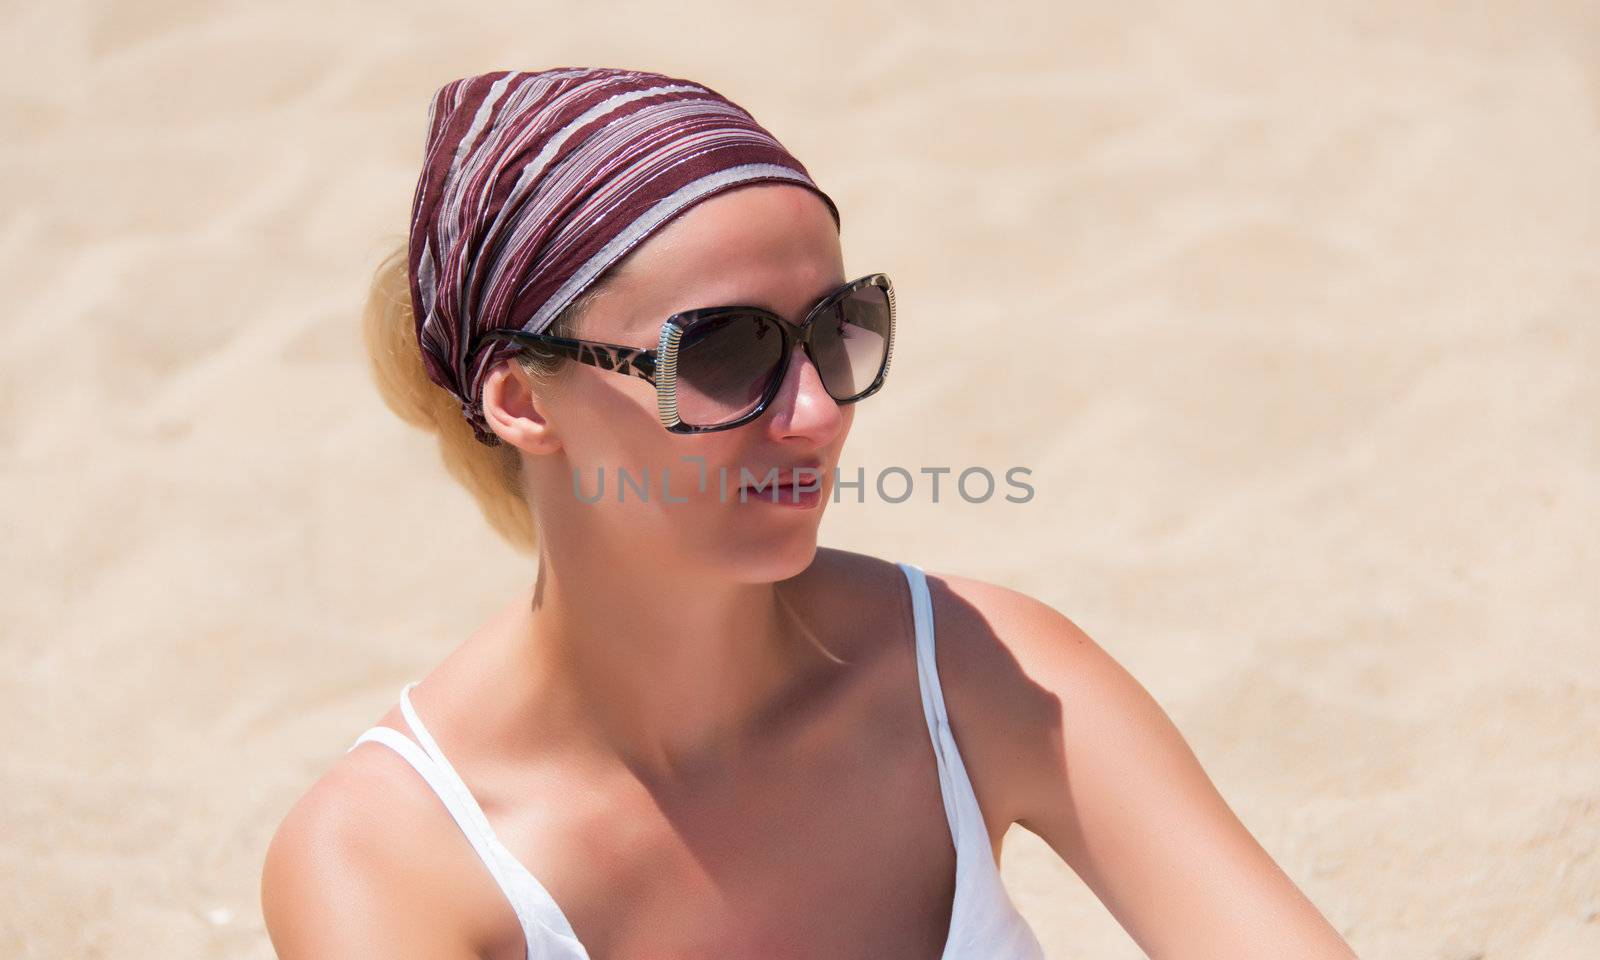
(725, 366)
(850, 341)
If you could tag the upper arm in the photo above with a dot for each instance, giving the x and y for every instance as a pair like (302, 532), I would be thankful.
(1102, 775)
(338, 882)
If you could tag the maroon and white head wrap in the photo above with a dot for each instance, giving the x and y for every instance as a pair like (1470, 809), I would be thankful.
(534, 183)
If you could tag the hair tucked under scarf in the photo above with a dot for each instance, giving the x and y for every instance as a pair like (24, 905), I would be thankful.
(534, 183)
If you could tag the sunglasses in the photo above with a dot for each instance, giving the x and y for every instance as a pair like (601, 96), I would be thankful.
(716, 368)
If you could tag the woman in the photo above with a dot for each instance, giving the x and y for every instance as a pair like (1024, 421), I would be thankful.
(704, 734)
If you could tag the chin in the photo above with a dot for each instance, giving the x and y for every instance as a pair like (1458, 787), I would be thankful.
(773, 557)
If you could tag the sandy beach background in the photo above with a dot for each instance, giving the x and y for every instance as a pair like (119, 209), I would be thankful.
(1300, 341)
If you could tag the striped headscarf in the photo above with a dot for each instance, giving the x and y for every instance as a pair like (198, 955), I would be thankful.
(533, 184)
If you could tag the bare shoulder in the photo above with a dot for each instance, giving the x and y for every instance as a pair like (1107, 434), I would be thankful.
(1056, 721)
(1070, 745)
(1009, 663)
(992, 647)
(368, 863)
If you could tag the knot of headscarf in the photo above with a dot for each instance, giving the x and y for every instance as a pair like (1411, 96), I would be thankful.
(533, 184)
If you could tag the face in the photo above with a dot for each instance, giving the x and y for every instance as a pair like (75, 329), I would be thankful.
(768, 245)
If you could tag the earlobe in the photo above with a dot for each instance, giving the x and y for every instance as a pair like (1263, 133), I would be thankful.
(514, 413)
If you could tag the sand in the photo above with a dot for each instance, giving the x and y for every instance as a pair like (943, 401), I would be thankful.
(1308, 382)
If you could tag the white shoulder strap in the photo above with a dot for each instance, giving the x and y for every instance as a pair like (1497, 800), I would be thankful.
(933, 708)
(465, 813)
(546, 928)
(975, 867)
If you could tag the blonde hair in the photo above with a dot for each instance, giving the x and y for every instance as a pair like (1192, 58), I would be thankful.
(493, 475)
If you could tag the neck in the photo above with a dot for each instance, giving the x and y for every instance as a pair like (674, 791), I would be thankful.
(672, 670)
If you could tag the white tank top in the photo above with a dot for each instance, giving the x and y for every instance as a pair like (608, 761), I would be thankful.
(984, 923)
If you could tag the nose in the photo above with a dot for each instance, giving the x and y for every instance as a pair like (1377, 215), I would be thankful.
(803, 407)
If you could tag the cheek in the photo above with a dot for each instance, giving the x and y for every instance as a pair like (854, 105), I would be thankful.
(606, 431)
(847, 417)
(609, 424)
(698, 464)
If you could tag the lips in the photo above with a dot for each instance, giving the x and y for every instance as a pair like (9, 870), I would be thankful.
(789, 478)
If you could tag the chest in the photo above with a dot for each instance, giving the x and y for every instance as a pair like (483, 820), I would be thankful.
(837, 849)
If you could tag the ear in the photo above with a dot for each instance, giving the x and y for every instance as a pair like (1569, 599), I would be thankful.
(515, 413)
